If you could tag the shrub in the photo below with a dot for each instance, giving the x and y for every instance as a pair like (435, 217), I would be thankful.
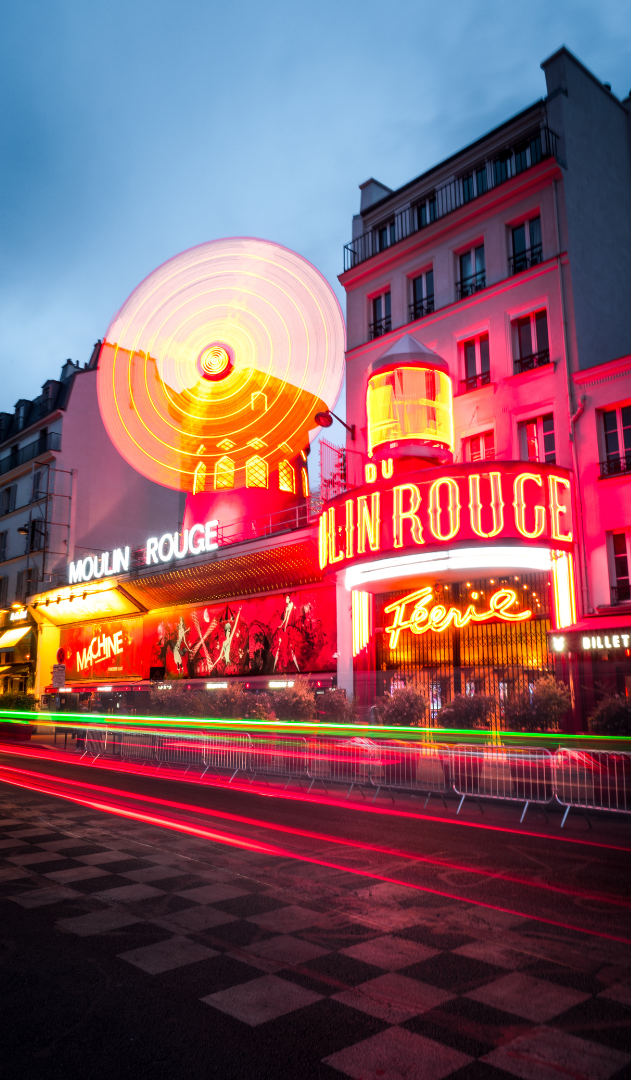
(543, 710)
(612, 716)
(333, 707)
(237, 703)
(403, 708)
(468, 711)
(296, 702)
(19, 702)
(177, 701)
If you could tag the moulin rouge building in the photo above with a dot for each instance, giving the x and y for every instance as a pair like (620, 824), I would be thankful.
(475, 532)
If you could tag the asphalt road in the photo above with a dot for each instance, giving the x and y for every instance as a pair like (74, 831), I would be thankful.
(171, 928)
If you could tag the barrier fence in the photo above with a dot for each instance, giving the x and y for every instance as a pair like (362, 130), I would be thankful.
(586, 780)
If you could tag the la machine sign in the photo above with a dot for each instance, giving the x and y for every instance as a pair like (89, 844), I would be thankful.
(515, 501)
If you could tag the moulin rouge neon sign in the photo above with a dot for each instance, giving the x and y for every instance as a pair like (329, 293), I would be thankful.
(448, 505)
(438, 618)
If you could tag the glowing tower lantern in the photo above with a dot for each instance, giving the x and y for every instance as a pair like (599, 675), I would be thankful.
(213, 369)
(409, 404)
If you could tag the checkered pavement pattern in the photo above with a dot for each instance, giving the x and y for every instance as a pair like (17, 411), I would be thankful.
(377, 983)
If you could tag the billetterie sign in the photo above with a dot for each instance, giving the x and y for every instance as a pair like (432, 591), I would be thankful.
(160, 549)
(516, 501)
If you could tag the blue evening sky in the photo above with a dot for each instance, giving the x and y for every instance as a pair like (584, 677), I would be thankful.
(132, 129)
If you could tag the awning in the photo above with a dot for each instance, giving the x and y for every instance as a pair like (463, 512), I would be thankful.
(11, 637)
(15, 669)
(595, 635)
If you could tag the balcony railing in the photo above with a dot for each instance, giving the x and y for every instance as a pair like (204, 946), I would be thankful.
(470, 285)
(525, 260)
(420, 308)
(525, 153)
(535, 360)
(32, 450)
(380, 327)
(474, 381)
(620, 594)
(616, 465)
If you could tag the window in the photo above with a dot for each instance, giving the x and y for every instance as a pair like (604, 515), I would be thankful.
(26, 583)
(472, 272)
(422, 295)
(8, 499)
(467, 188)
(386, 235)
(381, 315)
(480, 447)
(39, 484)
(531, 347)
(621, 591)
(4, 588)
(256, 472)
(286, 477)
(38, 534)
(527, 249)
(476, 362)
(4, 538)
(617, 433)
(481, 180)
(537, 440)
(426, 212)
(224, 473)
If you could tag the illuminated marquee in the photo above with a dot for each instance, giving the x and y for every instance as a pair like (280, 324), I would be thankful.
(171, 545)
(438, 618)
(448, 505)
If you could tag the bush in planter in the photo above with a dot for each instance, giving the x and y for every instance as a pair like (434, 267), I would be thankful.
(17, 703)
(333, 707)
(297, 702)
(543, 710)
(468, 711)
(176, 701)
(237, 703)
(402, 708)
(612, 716)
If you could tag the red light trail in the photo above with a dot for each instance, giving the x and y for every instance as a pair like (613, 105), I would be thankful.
(111, 801)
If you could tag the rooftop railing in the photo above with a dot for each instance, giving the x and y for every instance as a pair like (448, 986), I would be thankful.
(30, 451)
(436, 203)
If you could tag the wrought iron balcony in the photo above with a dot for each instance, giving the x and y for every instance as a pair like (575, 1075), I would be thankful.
(523, 154)
(620, 594)
(525, 259)
(470, 285)
(535, 360)
(52, 441)
(420, 308)
(615, 465)
(474, 381)
(380, 327)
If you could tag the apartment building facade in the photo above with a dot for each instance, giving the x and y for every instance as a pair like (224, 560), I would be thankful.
(510, 265)
(65, 493)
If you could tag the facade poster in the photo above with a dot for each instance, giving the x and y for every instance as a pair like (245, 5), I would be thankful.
(285, 633)
(111, 649)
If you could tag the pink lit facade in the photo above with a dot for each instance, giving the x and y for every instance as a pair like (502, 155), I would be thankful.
(494, 262)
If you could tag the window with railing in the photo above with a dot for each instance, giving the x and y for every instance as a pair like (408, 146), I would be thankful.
(617, 438)
(476, 363)
(621, 591)
(52, 441)
(7, 499)
(525, 153)
(422, 295)
(526, 245)
(537, 439)
(381, 315)
(472, 272)
(531, 347)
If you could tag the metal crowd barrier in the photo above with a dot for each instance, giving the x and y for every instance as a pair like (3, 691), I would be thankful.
(587, 780)
(593, 780)
(510, 775)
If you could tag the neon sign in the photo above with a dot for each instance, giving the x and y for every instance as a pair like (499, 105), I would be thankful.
(194, 541)
(438, 618)
(449, 505)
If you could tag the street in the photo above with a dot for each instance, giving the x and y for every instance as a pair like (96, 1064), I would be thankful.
(153, 927)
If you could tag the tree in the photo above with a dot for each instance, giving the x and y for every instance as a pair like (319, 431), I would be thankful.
(402, 708)
(468, 711)
(540, 710)
(612, 716)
